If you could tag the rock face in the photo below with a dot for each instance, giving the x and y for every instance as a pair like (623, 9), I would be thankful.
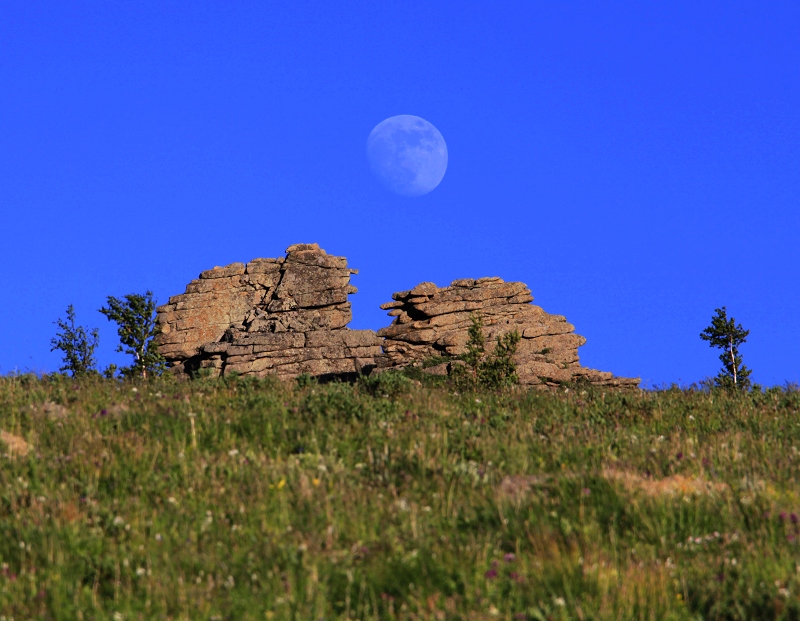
(432, 321)
(281, 317)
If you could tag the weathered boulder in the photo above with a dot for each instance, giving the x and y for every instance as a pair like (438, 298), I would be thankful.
(281, 317)
(431, 322)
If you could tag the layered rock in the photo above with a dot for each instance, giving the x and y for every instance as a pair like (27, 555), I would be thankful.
(432, 322)
(281, 317)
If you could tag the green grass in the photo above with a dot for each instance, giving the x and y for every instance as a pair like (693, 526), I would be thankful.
(258, 500)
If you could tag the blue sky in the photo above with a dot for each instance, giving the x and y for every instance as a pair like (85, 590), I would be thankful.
(636, 164)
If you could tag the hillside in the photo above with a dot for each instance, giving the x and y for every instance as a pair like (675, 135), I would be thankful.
(250, 499)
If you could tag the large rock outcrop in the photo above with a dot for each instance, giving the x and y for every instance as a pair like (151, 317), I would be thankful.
(433, 322)
(281, 317)
(289, 316)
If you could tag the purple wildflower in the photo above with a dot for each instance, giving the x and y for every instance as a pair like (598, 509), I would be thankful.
(509, 557)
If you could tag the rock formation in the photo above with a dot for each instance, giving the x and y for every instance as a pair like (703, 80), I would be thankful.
(433, 322)
(281, 317)
(289, 316)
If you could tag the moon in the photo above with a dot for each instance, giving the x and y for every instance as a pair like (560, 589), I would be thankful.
(407, 154)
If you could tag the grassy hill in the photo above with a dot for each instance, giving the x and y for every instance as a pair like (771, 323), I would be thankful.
(389, 500)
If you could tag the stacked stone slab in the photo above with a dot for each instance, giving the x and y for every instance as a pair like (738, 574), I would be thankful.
(281, 317)
(432, 322)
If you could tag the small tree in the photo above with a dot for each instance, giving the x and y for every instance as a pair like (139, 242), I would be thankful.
(135, 316)
(725, 334)
(77, 344)
(490, 371)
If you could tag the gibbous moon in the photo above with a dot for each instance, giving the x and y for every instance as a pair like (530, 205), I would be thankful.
(407, 154)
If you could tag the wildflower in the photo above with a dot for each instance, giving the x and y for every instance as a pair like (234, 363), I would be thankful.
(509, 557)
(587, 491)
(315, 482)
(118, 520)
(793, 517)
(141, 571)
(491, 574)
(159, 537)
(117, 616)
(559, 601)
(782, 516)
(679, 456)
(233, 452)
(281, 484)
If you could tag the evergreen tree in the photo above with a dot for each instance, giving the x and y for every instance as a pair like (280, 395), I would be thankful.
(483, 370)
(725, 334)
(135, 316)
(77, 344)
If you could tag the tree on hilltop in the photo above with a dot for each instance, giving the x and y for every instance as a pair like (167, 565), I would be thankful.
(77, 345)
(135, 318)
(725, 334)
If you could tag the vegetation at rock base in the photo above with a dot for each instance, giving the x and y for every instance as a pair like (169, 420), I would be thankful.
(725, 334)
(245, 499)
(487, 370)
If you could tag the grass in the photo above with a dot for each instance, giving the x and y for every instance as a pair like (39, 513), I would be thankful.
(385, 499)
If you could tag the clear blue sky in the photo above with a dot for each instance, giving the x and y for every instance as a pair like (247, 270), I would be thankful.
(637, 164)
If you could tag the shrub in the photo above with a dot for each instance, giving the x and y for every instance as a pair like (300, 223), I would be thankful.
(390, 384)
